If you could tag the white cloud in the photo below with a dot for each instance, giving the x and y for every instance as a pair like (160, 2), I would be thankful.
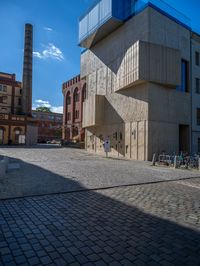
(57, 109)
(37, 54)
(42, 103)
(51, 51)
(47, 29)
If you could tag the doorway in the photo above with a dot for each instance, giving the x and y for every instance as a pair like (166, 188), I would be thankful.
(1, 135)
(184, 138)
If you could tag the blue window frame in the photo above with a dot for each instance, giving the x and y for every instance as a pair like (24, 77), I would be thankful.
(184, 77)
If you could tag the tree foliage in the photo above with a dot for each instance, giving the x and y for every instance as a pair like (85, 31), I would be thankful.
(43, 109)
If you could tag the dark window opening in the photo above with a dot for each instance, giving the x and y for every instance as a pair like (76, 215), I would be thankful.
(76, 96)
(76, 114)
(197, 59)
(68, 99)
(197, 85)
(184, 77)
(68, 116)
(198, 116)
(198, 144)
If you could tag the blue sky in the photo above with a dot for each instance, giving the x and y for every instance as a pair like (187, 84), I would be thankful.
(57, 55)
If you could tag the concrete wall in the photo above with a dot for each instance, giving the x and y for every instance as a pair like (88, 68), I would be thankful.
(195, 43)
(137, 68)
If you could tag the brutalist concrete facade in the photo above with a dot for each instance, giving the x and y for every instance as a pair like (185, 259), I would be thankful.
(139, 89)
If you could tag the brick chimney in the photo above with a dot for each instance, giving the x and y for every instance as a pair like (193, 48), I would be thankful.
(27, 71)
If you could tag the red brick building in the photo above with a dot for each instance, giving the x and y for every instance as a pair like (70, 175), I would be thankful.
(49, 126)
(16, 127)
(74, 93)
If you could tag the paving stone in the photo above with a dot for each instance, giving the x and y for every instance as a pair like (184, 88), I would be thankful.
(20, 259)
(34, 261)
(45, 260)
(144, 224)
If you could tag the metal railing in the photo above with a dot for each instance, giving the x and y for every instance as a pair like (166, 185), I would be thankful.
(184, 161)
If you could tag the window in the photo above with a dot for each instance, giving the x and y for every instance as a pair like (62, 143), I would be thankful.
(51, 117)
(198, 116)
(76, 114)
(68, 99)
(68, 116)
(19, 101)
(59, 118)
(197, 81)
(3, 99)
(3, 88)
(4, 110)
(76, 95)
(197, 59)
(184, 77)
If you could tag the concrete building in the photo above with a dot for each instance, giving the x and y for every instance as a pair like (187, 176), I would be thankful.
(74, 94)
(49, 126)
(17, 126)
(195, 84)
(141, 66)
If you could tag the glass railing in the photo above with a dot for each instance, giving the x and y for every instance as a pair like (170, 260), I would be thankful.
(95, 18)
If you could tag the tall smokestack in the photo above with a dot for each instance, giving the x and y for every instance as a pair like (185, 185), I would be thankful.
(27, 71)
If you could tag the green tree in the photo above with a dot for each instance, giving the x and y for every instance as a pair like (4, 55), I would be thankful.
(43, 109)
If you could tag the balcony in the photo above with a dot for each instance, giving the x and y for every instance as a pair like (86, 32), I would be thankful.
(102, 19)
(93, 111)
(107, 15)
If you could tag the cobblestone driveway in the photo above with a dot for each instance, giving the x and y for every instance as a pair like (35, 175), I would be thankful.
(52, 170)
(152, 224)
(138, 224)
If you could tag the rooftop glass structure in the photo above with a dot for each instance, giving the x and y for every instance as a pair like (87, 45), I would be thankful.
(106, 15)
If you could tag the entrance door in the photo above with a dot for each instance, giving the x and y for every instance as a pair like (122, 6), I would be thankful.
(184, 138)
(1, 135)
(17, 133)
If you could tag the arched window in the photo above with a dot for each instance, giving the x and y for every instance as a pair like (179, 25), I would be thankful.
(1, 134)
(68, 98)
(84, 93)
(76, 95)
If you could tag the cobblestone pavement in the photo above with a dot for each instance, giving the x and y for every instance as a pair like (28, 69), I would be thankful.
(48, 169)
(151, 224)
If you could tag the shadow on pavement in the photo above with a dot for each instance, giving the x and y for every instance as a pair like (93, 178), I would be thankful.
(90, 226)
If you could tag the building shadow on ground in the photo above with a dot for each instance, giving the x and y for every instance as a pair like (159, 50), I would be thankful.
(96, 227)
